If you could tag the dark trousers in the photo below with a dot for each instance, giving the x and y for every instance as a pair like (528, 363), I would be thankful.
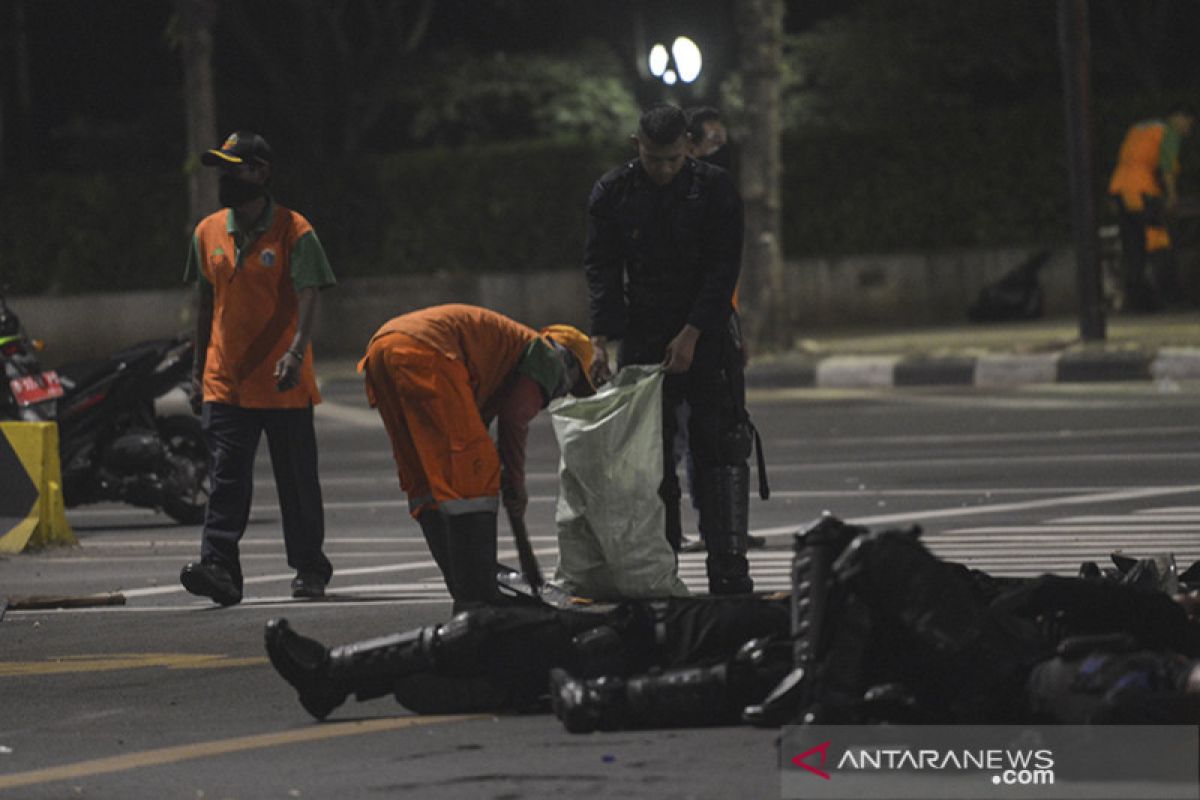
(1149, 278)
(1132, 227)
(715, 391)
(233, 434)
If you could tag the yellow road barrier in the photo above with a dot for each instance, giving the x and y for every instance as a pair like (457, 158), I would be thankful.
(32, 514)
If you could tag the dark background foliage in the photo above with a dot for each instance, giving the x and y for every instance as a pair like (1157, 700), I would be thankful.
(467, 138)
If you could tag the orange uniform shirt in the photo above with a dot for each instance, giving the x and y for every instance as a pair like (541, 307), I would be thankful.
(256, 305)
(488, 344)
(438, 376)
(1148, 150)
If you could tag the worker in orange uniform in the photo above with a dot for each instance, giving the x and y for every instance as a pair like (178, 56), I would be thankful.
(439, 376)
(1144, 188)
(259, 269)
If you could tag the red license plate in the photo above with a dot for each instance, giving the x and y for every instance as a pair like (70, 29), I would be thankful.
(30, 389)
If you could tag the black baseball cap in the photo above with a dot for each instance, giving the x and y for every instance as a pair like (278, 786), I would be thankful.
(239, 148)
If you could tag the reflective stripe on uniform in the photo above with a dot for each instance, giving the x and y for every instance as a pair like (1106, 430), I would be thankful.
(415, 504)
(470, 505)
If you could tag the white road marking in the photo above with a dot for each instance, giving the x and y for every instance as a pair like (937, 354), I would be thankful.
(1058, 544)
(331, 411)
(960, 439)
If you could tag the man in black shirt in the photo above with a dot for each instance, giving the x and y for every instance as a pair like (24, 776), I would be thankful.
(662, 258)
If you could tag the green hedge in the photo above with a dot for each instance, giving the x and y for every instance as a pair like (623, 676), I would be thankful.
(958, 181)
(961, 180)
(72, 234)
(513, 207)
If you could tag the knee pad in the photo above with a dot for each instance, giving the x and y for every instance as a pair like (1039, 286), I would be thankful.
(460, 641)
(735, 443)
(599, 651)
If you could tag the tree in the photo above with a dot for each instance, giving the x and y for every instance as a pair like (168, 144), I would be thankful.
(458, 98)
(1140, 33)
(760, 37)
(329, 68)
(882, 63)
(16, 99)
(192, 34)
(879, 63)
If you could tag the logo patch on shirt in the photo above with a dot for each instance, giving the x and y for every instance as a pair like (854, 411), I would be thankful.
(268, 258)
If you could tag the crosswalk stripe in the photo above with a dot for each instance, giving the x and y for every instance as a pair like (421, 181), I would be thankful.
(1056, 544)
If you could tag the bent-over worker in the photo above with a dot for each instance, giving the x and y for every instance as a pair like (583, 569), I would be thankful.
(438, 377)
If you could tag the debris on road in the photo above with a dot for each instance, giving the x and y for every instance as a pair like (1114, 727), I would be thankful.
(39, 602)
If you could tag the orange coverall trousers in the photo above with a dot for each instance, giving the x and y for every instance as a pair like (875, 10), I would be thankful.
(445, 457)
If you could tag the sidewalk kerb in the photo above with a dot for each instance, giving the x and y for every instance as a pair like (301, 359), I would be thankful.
(1006, 369)
(1176, 363)
(857, 372)
(1094, 365)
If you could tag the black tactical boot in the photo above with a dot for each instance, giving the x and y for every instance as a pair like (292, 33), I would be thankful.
(370, 669)
(686, 697)
(323, 678)
(724, 524)
(812, 609)
(433, 526)
(585, 705)
(471, 546)
(304, 663)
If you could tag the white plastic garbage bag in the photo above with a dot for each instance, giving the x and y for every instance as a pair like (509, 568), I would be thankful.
(610, 518)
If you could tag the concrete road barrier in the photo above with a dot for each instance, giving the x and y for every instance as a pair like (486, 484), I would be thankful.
(32, 513)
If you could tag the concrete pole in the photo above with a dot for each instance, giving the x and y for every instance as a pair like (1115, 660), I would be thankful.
(1075, 50)
(196, 19)
(760, 40)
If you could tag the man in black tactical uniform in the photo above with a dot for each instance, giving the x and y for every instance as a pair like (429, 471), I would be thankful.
(663, 255)
(499, 658)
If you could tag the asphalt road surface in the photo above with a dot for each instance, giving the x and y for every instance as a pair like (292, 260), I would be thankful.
(169, 696)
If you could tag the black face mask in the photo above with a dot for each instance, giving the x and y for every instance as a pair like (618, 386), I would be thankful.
(232, 191)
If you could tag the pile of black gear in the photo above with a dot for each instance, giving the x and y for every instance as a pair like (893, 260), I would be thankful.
(883, 631)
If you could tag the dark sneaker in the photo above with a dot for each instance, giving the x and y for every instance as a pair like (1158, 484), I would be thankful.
(304, 663)
(211, 580)
(308, 585)
(754, 542)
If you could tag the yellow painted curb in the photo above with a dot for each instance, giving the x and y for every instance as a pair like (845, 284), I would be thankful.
(44, 523)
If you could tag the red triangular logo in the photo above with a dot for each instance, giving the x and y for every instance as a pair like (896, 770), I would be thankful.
(823, 749)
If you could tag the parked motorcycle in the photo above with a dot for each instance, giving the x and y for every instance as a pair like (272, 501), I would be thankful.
(29, 393)
(112, 443)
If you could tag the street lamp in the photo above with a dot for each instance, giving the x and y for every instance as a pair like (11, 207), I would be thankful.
(682, 63)
(687, 59)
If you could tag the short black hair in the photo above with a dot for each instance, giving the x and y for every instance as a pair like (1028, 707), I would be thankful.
(662, 123)
(696, 117)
